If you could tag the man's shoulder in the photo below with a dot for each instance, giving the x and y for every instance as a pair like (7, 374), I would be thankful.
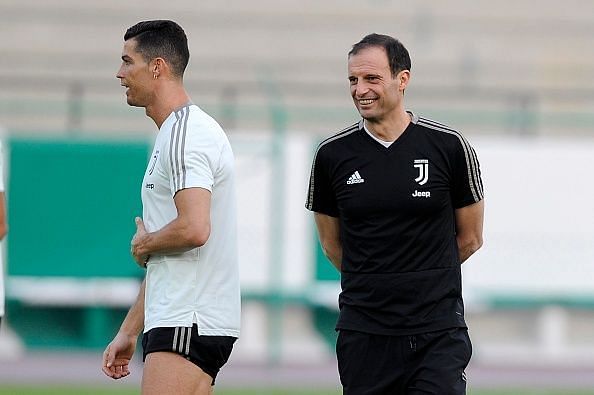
(437, 129)
(200, 118)
(448, 139)
(204, 130)
(341, 136)
(192, 130)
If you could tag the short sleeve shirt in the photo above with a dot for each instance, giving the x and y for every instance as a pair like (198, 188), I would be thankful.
(201, 285)
(395, 205)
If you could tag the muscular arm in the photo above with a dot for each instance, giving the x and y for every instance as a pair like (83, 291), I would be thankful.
(189, 230)
(469, 229)
(329, 234)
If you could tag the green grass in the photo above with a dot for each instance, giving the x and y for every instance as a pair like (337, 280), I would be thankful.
(105, 390)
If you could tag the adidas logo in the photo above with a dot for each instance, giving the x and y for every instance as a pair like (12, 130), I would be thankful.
(355, 179)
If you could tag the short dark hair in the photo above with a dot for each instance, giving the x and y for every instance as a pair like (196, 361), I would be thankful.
(161, 38)
(398, 57)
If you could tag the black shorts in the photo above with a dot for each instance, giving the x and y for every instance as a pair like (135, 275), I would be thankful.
(428, 363)
(209, 353)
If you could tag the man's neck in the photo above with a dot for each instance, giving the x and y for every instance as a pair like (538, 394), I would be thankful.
(389, 129)
(167, 99)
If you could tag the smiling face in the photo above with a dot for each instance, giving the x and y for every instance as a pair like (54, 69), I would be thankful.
(136, 75)
(377, 94)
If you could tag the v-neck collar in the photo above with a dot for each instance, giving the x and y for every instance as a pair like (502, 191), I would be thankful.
(375, 141)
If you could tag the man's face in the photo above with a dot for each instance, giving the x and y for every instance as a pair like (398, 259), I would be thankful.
(375, 92)
(136, 75)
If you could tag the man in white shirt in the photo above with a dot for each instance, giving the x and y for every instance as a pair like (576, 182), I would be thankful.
(189, 302)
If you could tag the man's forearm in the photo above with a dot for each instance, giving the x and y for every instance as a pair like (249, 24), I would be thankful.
(134, 321)
(334, 255)
(329, 234)
(469, 229)
(177, 236)
(467, 247)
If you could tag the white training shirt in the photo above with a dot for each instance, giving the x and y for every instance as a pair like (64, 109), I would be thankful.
(201, 285)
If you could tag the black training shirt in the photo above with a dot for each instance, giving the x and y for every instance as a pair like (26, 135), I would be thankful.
(400, 266)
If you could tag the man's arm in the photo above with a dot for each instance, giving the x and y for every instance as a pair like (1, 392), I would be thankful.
(329, 234)
(469, 229)
(117, 355)
(189, 230)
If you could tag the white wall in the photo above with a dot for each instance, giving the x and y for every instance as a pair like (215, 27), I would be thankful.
(539, 220)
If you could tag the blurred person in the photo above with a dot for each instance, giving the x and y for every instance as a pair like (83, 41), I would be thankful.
(189, 302)
(3, 230)
(398, 205)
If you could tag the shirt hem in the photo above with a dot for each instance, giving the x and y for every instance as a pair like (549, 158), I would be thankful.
(201, 331)
(400, 332)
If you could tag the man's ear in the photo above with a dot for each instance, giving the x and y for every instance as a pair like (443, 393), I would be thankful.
(157, 67)
(403, 78)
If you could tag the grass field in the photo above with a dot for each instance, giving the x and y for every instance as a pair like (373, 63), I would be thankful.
(53, 390)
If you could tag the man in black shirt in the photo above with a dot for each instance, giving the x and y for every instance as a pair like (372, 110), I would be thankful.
(398, 203)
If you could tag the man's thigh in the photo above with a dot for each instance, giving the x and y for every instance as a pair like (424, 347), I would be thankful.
(371, 364)
(439, 361)
(430, 363)
(167, 373)
(180, 361)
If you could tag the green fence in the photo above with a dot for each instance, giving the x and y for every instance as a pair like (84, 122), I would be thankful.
(71, 206)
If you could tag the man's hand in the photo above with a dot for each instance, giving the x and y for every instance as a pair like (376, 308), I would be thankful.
(117, 356)
(136, 245)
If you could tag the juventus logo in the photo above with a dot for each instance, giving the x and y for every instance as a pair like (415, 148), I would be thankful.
(423, 166)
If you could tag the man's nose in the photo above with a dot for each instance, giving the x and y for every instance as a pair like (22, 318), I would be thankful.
(361, 89)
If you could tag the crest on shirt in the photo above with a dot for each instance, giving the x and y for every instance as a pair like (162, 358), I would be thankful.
(153, 162)
(423, 166)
